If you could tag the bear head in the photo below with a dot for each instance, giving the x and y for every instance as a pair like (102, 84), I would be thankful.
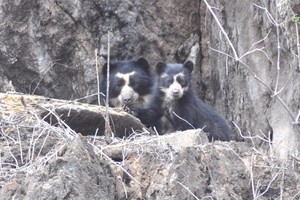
(129, 81)
(174, 79)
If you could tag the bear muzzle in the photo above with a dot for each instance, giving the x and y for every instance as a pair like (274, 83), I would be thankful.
(127, 96)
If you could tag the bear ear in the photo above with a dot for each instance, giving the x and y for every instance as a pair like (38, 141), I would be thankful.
(189, 65)
(160, 66)
(104, 68)
(143, 63)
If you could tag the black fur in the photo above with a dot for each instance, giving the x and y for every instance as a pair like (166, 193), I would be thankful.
(184, 112)
(141, 82)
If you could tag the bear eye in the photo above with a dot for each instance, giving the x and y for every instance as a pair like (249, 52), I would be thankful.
(181, 81)
(132, 83)
(119, 83)
(169, 80)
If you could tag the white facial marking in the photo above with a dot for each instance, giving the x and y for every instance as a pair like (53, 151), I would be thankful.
(127, 96)
(164, 75)
(175, 90)
(179, 74)
(125, 76)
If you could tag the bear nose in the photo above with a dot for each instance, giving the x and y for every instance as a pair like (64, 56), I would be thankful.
(175, 91)
(127, 100)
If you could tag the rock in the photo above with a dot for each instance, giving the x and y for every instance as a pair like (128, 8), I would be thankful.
(222, 170)
(82, 118)
(49, 50)
(44, 161)
(75, 173)
(248, 85)
(175, 141)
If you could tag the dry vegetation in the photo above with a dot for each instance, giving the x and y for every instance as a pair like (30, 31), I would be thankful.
(221, 169)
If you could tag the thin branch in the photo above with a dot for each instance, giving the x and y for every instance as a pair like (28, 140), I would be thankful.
(252, 177)
(274, 22)
(10, 152)
(298, 43)
(51, 155)
(183, 120)
(188, 190)
(256, 76)
(97, 75)
(278, 55)
(88, 96)
(269, 185)
(248, 67)
(297, 118)
(236, 57)
(44, 142)
(99, 151)
(271, 19)
(20, 145)
(108, 131)
(285, 106)
(266, 139)
(96, 132)
(43, 75)
(221, 52)
(283, 87)
(296, 196)
(257, 49)
(281, 185)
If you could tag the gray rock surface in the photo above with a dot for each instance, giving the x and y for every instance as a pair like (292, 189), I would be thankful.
(39, 161)
(48, 48)
(251, 92)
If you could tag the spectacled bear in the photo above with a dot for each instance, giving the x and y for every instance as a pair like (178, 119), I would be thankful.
(174, 98)
(130, 83)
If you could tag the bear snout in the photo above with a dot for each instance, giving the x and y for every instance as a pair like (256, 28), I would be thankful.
(176, 90)
(127, 95)
(127, 100)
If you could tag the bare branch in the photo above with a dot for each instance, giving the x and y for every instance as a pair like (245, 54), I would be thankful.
(278, 55)
(275, 91)
(20, 145)
(271, 19)
(43, 75)
(97, 75)
(108, 131)
(183, 120)
(188, 190)
(88, 96)
(298, 43)
(257, 49)
(236, 57)
(99, 151)
(297, 118)
(257, 195)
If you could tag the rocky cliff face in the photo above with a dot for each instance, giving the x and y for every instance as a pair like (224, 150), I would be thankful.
(246, 55)
(48, 48)
(252, 67)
